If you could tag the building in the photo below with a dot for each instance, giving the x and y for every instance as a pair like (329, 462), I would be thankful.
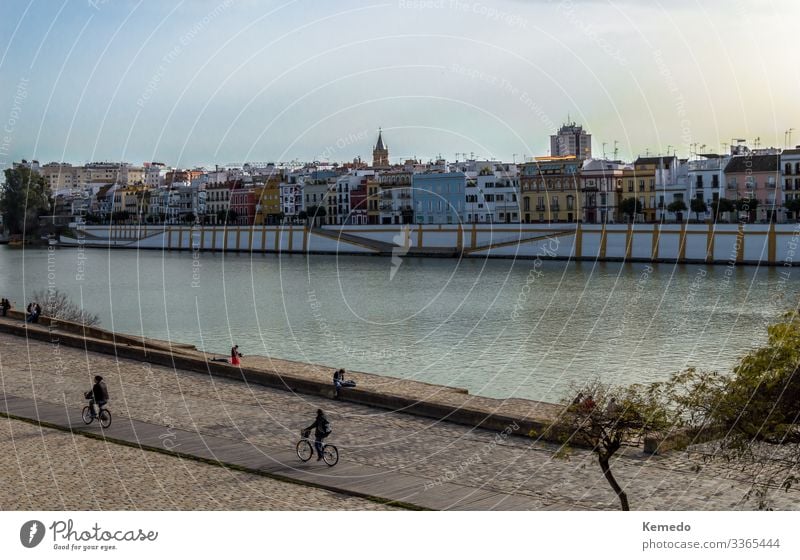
(380, 154)
(373, 201)
(550, 190)
(218, 196)
(395, 198)
(756, 177)
(154, 174)
(358, 204)
(291, 199)
(647, 181)
(439, 198)
(268, 200)
(600, 185)
(790, 166)
(571, 140)
(243, 204)
(706, 178)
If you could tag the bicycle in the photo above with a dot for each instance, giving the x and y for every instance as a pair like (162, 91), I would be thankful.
(103, 416)
(305, 450)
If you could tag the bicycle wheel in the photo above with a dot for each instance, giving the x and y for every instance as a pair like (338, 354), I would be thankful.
(105, 418)
(330, 455)
(86, 415)
(304, 450)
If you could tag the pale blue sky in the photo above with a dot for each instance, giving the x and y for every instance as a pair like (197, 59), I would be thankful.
(222, 81)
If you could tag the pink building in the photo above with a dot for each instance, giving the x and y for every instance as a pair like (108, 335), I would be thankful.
(757, 177)
(243, 202)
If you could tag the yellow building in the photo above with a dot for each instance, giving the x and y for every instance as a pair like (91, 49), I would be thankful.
(268, 202)
(130, 200)
(551, 190)
(373, 201)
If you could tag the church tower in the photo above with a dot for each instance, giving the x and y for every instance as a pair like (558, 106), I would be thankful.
(380, 154)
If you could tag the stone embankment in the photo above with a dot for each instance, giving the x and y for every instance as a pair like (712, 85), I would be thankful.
(397, 395)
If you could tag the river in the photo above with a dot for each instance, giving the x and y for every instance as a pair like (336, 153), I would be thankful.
(499, 328)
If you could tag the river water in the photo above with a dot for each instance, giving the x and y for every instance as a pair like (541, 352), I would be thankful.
(499, 328)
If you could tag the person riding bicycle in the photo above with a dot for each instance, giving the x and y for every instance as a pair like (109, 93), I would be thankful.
(98, 394)
(322, 430)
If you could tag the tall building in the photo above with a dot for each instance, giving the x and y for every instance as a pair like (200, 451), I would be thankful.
(571, 140)
(380, 154)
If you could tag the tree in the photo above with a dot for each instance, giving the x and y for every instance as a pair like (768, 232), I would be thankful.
(698, 206)
(24, 197)
(751, 416)
(121, 216)
(58, 305)
(302, 215)
(313, 213)
(630, 207)
(607, 418)
(721, 206)
(793, 206)
(189, 218)
(227, 216)
(676, 207)
(749, 205)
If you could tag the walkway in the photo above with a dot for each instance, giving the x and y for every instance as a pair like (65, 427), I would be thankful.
(347, 477)
(391, 455)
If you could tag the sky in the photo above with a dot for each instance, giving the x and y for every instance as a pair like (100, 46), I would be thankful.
(229, 81)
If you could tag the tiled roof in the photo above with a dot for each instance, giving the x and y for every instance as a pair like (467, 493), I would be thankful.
(755, 164)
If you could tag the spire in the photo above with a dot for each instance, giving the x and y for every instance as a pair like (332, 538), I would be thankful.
(379, 145)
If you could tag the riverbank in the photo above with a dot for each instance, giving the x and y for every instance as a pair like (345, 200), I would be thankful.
(437, 402)
(386, 456)
(724, 244)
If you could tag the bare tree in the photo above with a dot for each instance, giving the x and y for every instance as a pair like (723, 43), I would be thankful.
(58, 305)
(608, 418)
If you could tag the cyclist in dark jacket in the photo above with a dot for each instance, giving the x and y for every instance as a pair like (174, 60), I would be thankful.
(98, 394)
(322, 429)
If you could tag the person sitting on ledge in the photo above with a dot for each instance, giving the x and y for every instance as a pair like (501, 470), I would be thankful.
(34, 310)
(5, 305)
(339, 381)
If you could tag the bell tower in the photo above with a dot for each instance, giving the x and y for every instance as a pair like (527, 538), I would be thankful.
(380, 154)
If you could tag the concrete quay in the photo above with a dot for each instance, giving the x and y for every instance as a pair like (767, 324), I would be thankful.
(251, 428)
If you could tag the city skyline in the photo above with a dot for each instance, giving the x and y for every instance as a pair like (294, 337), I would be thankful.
(222, 82)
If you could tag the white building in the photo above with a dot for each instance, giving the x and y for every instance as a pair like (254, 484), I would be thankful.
(706, 180)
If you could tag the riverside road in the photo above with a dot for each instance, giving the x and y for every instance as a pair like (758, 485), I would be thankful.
(387, 455)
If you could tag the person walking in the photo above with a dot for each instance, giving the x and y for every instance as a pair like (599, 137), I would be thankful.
(5, 305)
(37, 311)
(235, 355)
(322, 429)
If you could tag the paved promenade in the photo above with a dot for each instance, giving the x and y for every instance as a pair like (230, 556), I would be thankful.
(390, 455)
(48, 469)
